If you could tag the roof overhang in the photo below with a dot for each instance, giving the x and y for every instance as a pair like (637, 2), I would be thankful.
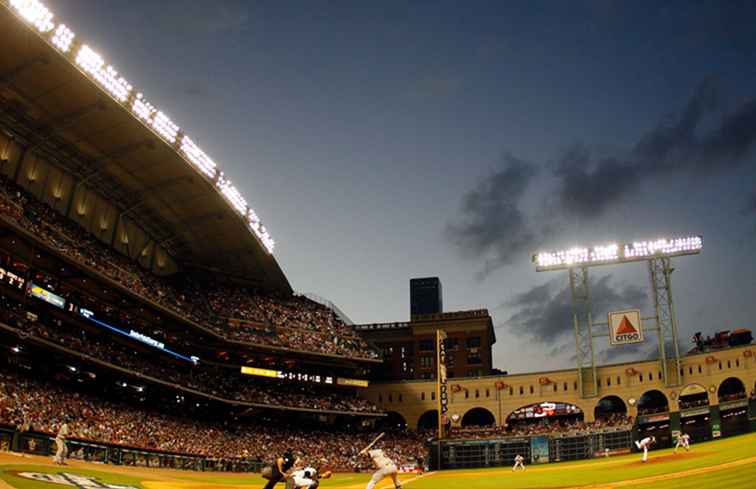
(54, 108)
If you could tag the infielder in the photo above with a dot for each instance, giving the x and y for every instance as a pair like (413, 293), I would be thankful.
(644, 444)
(60, 442)
(683, 440)
(519, 462)
(386, 468)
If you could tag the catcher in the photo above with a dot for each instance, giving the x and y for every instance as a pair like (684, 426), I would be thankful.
(307, 478)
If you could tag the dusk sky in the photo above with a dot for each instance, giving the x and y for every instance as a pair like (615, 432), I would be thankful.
(381, 141)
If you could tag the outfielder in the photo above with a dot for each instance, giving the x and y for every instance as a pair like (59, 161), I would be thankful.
(683, 440)
(644, 444)
(519, 462)
(60, 442)
(386, 468)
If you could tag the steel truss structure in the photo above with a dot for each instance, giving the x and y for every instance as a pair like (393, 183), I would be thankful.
(664, 324)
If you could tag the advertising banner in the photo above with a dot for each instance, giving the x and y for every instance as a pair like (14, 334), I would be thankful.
(539, 449)
(625, 327)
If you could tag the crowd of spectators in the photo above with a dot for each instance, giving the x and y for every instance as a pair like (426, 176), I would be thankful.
(735, 396)
(293, 322)
(693, 403)
(223, 382)
(41, 406)
(645, 410)
(547, 427)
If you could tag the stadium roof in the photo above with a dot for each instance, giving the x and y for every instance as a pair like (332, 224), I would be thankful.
(65, 102)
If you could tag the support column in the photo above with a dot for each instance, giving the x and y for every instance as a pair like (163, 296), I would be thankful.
(660, 272)
(583, 324)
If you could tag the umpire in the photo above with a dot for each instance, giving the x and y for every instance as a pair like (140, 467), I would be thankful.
(277, 472)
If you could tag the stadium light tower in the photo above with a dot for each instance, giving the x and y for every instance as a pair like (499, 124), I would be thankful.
(658, 254)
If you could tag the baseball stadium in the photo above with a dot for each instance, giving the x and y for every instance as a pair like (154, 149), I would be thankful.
(151, 340)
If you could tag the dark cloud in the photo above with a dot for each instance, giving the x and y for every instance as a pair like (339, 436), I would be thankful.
(196, 89)
(683, 144)
(633, 351)
(652, 350)
(493, 227)
(491, 223)
(544, 313)
(206, 18)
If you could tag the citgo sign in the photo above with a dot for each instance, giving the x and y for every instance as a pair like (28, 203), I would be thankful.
(625, 327)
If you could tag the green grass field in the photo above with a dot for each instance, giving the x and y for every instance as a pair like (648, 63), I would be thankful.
(729, 463)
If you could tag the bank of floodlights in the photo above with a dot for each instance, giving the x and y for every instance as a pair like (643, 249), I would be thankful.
(106, 76)
(617, 253)
(63, 38)
(35, 13)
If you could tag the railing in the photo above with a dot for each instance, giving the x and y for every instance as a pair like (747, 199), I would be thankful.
(37, 443)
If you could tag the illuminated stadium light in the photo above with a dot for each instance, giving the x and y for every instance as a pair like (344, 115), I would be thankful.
(142, 109)
(262, 234)
(63, 38)
(664, 247)
(106, 76)
(35, 13)
(617, 253)
(165, 127)
(160, 122)
(198, 158)
(232, 194)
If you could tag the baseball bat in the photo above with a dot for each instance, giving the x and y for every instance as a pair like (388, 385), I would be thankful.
(364, 450)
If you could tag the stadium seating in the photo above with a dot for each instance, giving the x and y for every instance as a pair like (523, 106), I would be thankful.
(31, 404)
(237, 314)
(208, 379)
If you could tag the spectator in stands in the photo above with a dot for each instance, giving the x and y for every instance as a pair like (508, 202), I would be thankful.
(41, 404)
(236, 313)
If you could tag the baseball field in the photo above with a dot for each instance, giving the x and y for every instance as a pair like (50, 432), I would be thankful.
(728, 463)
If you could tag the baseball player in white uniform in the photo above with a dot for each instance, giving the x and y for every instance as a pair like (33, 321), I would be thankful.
(386, 468)
(683, 440)
(307, 478)
(644, 444)
(60, 442)
(519, 462)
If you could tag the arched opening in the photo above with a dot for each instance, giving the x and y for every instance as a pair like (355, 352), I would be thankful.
(653, 402)
(695, 418)
(478, 417)
(733, 407)
(544, 418)
(653, 418)
(731, 389)
(392, 422)
(610, 409)
(428, 421)
(693, 396)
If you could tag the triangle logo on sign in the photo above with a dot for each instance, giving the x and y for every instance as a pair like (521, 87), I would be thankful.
(626, 327)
